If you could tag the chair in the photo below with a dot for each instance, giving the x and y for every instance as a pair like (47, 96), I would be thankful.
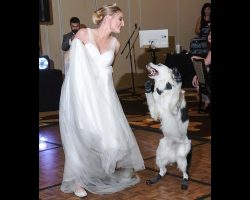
(202, 76)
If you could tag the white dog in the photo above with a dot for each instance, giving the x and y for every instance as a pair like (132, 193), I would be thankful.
(166, 102)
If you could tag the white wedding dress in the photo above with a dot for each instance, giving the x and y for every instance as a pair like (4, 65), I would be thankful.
(101, 152)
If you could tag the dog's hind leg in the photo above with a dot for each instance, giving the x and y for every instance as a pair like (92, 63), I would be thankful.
(153, 180)
(161, 161)
(182, 165)
(152, 106)
(189, 158)
(157, 177)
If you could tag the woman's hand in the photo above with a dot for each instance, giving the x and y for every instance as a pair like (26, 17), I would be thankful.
(196, 57)
(195, 82)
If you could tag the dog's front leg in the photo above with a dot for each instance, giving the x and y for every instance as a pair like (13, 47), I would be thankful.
(150, 100)
(152, 106)
(176, 103)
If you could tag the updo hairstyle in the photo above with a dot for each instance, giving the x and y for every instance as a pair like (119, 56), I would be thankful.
(99, 14)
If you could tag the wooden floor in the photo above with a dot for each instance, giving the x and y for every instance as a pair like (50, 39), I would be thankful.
(51, 164)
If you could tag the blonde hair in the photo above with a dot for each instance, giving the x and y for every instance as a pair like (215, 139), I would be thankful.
(99, 14)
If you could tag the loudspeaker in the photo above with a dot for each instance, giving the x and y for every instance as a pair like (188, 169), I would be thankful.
(44, 11)
(50, 83)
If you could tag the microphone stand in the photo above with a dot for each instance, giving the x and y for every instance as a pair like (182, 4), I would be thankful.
(130, 58)
(153, 49)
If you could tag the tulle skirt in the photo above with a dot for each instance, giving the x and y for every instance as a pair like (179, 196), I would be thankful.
(101, 152)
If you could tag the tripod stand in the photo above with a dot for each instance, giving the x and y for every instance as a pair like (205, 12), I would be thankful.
(130, 58)
(152, 50)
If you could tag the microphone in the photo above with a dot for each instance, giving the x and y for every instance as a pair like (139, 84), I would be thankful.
(152, 46)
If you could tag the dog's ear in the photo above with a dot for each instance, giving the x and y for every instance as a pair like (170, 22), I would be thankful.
(149, 86)
(168, 86)
(177, 75)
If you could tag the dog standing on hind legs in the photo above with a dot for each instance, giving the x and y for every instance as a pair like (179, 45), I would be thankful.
(166, 102)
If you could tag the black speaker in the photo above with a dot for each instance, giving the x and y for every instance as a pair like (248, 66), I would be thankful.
(44, 11)
(50, 83)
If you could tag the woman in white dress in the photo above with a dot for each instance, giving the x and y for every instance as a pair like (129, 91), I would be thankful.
(101, 152)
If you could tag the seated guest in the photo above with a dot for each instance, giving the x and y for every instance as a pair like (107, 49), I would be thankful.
(195, 82)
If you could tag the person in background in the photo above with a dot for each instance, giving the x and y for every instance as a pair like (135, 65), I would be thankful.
(203, 23)
(101, 151)
(67, 38)
(195, 82)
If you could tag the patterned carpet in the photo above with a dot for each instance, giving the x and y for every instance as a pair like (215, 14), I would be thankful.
(136, 110)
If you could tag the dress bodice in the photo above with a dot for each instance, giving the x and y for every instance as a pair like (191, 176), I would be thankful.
(104, 59)
(205, 28)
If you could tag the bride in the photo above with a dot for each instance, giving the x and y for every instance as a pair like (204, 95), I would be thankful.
(101, 152)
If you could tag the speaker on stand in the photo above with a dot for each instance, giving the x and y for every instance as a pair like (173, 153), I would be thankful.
(44, 11)
(44, 19)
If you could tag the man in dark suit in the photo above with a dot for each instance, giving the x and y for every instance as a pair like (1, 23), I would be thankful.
(67, 38)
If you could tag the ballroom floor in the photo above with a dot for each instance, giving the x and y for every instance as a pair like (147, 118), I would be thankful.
(147, 133)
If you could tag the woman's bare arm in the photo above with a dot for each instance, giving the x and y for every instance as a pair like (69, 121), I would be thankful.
(197, 27)
(82, 35)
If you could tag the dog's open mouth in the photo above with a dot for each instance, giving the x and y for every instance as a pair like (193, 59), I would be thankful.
(152, 71)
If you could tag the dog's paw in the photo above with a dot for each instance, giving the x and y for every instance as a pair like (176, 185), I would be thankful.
(177, 75)
(184, 184)
(148, 86)
(153, 180)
